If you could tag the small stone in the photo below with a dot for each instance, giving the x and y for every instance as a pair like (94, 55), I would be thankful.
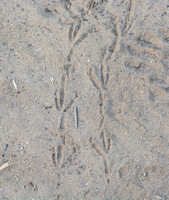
(6, 147)
(47, 10)
(145, 174)
(68, 5)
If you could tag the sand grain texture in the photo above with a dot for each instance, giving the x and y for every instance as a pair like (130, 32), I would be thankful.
(88, 114)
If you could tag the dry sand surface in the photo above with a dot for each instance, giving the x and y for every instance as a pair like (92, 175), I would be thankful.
(84, 99)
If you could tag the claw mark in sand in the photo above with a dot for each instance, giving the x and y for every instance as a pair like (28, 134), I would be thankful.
(101, 151)
(73, 31)
(116, 47)
(53, 157)
(59, 153)
(129, 19)
(60, 98)
(94, 79)
(60, 95)
(104, 68)
(80, 40)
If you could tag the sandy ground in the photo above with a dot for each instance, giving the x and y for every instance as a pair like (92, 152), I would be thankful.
(84, 99)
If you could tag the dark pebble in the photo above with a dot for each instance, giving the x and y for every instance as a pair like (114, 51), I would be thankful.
(6, 147)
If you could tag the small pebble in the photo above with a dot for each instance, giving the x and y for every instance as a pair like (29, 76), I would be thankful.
(145, 174)
(6, 147)
(68, 6)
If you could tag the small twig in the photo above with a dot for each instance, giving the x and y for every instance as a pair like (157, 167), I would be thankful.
(5, 165)
(14, 84)
(51, 78)
(34, 187)
(76, 117)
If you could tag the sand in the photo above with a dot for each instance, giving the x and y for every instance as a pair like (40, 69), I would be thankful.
(84, 99)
